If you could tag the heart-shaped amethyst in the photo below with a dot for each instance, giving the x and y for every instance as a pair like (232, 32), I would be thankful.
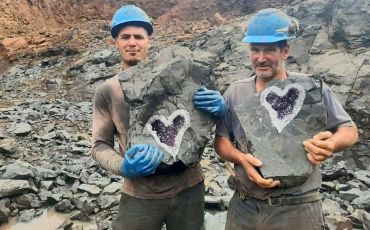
(168, 133)
(283, 105)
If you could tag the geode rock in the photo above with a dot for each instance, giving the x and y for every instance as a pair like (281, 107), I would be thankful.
(277, 121)
(160, 94)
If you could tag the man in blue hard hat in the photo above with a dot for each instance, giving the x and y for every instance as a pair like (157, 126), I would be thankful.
(149, 199)
(261, 203)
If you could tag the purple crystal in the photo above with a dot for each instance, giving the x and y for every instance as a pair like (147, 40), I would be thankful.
(283, 105)
(167, 134)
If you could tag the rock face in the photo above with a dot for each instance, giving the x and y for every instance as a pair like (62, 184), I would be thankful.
(160, 95)
(345, 27)
(334, 40)
(277, 121)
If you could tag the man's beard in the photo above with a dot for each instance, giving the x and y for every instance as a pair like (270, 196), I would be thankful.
(267, 75)
(132, 62)
(264, 75)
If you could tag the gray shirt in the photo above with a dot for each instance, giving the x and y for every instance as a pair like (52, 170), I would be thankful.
(238, 93)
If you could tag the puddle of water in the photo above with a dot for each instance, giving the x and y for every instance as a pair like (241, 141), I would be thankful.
(49, 220)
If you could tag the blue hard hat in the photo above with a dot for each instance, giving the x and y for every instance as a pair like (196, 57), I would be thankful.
(270, 25)
(130, 15)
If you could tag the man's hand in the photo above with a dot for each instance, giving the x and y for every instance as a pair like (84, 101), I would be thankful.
(210, 101)
(319, 148)
(249, 162)
(141, 160)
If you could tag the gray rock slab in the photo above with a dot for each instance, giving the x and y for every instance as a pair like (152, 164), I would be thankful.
(53, 198)
(18, 170)
(215, 222)
(26, 215)
(44, 173)
(49, 136)
(91, 189)
(22, 129)
(27, 201)
(4, 134)
(330, 207)
(363, 176)
(8, 146)
(112, 189)
(84, 204)
(47, 185)
(64, 206)
(82, 217)
(282, 154)
(342, 187)
(328, 185)
(357, 217)
(100, 182)
(78, 150)
(160, 95)
(357, 184)
(350, 194)
(333, 171)
(108, 201)
(13, 187)
(362, 201)
(4, 210)
(338, 222)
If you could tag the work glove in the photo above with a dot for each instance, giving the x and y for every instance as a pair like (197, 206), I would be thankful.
(141, 160)
(210, 101)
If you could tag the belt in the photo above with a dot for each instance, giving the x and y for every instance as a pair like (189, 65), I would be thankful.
(290, 200)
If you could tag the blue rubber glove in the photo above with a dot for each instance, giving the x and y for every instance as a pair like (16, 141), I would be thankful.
(141, 160)
(210, 101)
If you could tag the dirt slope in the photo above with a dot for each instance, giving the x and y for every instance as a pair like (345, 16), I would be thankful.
(33, 26)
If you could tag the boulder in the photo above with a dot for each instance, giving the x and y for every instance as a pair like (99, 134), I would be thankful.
(162, 113)
(13, 187)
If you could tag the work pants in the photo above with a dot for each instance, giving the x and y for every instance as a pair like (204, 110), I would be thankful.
(258, 214)
(185, 211)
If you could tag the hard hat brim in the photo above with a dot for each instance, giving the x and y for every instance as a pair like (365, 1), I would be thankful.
(117, 28)
(264, 39)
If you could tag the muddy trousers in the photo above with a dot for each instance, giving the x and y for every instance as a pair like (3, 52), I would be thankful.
(257, 214)
(185, 211)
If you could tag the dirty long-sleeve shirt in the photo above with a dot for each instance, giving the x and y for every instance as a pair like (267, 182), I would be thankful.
(111, 119)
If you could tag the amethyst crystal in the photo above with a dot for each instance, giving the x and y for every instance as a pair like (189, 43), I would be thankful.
(168, 133)
(283, 105)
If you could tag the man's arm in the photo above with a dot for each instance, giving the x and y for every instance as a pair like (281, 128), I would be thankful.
(103, 136)
(227, 151)
(324, 144)
(140, 160)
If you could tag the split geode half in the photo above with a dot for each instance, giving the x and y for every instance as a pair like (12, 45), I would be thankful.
(160, 94)
(277, 121)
